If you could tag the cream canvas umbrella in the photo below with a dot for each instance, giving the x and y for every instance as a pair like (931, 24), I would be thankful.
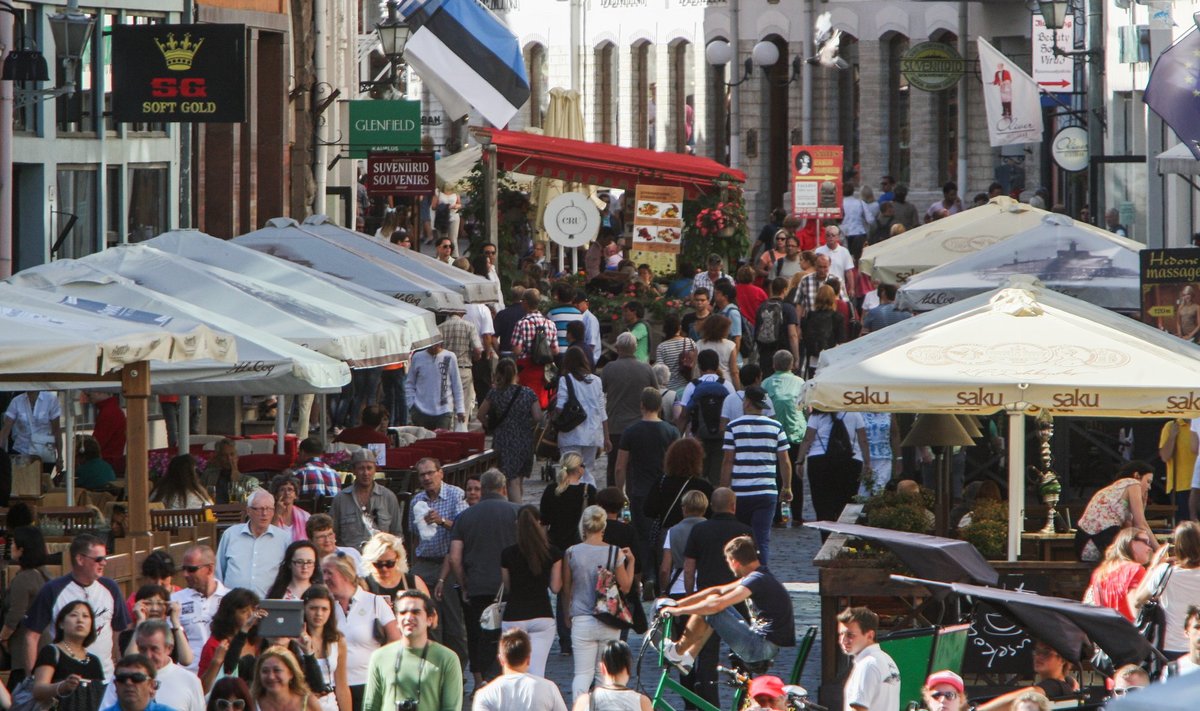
(1022, 349)
(894, 260)
(564, 119)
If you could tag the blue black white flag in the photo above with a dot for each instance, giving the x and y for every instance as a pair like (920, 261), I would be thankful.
(467, 58)
(1173, 91)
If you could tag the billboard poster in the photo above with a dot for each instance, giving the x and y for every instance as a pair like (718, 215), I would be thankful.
(400, 174)
(657, 227)
(817, 182)
(1170, 280)
(185, 73)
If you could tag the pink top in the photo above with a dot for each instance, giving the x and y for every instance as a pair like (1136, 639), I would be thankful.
(1112, 589)
(299, 524)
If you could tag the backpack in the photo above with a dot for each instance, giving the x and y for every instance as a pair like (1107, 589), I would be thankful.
(540, 353)
(838, 447)
(748, 347)
(441, 217)
(770, 323)
(707, 398)
(818, 332)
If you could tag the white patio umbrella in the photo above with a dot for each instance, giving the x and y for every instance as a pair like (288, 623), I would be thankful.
(895, 260)
(287, 240)
(1021, 349)
(474, 289)
(1099, 267)
(418, 324)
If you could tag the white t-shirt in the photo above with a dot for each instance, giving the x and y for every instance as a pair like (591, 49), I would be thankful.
(31, 433)
(1181, 591)
(874, 682)
(481, 316)
(732, 408)
(195, 615)
(840, 261)
(678, 587)
(821, 423)
(519, 691)
(358, 625)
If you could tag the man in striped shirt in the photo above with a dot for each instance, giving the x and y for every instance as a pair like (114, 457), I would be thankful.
(755, 446)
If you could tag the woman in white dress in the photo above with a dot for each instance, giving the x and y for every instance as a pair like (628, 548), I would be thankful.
(323, 642)
(447, 195)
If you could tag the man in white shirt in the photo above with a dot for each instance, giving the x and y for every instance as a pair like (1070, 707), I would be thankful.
(198, 602)
(1190, 662)
(178, 688)
(840, 260)
(516, 688)
(874, 682)
(591, 324)
(434, 389)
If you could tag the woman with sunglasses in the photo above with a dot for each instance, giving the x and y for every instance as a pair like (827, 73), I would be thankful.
(388, 564)
(1121, 571)
(64, 671)
(279, 684)
(298, 571)
(153, 602)
(366, 619)
(324, 648)
(944, 691)
(1050, 671)
(232, 636)
(230, 694)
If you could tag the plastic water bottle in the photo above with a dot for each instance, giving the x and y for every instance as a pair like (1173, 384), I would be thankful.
(626, 516)
(785, 515)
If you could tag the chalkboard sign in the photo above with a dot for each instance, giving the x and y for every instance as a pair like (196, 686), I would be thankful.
(995, 645)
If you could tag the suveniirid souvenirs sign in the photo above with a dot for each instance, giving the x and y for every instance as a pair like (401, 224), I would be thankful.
(185, 73)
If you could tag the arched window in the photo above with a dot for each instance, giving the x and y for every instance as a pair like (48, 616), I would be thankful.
(848, 102)
(681, 136)
(716, 118)
(947, 121)
(897, 104)
(539, 95)
(606, 111)
(776, 122)
(643, 89)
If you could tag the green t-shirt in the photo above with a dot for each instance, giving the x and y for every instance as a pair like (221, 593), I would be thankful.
(440, 678)
(784, 391)
(96, 474)
(642, 333)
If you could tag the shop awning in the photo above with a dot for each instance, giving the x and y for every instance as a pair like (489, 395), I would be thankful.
(603, 164)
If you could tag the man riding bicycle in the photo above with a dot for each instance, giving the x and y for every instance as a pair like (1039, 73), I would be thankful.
(711, 610)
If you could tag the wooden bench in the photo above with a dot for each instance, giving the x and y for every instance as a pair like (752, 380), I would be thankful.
(228, 513)
(67, 518)
(171, 520)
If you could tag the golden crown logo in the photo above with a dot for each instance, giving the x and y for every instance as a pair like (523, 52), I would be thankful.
(179, 55)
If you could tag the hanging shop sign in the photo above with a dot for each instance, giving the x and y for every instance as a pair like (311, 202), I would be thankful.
(183, 73)
(400, 174)
(817, 182)
(1070, 148)
(1051, 71)
(1169, 294)
(657, 227)
(932, 66)
(384, 126)
(571, 220)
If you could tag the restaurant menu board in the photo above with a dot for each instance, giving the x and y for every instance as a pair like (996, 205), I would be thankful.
(817, 182)
(657, 227)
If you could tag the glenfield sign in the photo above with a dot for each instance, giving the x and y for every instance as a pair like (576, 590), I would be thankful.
(384, 126)
(400, 174)
(184, 73)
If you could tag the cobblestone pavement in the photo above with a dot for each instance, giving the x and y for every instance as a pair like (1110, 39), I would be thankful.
(792, 550)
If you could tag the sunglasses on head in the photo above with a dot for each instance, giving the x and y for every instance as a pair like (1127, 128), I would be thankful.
(385, 564)
(947, 695)
(135, 677)
(236, 704)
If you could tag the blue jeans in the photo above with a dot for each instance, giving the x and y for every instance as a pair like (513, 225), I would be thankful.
(758, 512)
(394, 399)
(746, 643)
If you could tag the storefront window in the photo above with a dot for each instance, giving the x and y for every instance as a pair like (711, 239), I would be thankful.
(148, 202)
(75, 213)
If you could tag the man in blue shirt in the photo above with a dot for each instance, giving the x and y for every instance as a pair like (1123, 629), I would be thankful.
(136, 685)
(564, 312)
(250, 553)
(434, 510)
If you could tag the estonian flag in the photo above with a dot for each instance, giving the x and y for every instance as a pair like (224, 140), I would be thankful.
(467, 57)
(1173, 91)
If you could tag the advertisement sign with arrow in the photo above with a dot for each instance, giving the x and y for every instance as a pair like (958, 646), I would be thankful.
(1055, 74)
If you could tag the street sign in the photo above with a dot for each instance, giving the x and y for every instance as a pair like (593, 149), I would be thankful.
(400, 174)
(932, 66)
(571, 220)
(184, 73)
(1055, 74)
(384, 126)
(1070, 148)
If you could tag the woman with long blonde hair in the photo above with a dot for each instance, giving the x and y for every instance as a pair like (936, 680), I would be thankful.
(563, 503)
(279, 683)
(1119, 574)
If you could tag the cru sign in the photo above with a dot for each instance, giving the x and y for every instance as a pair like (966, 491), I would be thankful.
(571, 220)
(185, 73)
(400, 174)
(932, 66)
(384, 126)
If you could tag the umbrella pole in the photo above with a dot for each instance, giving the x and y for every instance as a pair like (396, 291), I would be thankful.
(68, 455)
(944, 493)
(1016, 482)
(324, 422)
(183, 428)
(280, 422)
(135, 386)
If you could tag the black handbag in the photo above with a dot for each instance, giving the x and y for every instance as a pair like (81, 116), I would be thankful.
(572, 414)
(495, 418)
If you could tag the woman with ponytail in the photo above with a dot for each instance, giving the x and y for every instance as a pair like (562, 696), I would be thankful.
(563, 503)
(530, 569)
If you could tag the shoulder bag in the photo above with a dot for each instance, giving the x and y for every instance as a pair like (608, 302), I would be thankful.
(495, 418)
(493, 614)
(572, 413)
(610, 608)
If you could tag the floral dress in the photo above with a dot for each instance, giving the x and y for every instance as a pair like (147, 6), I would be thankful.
(513, 438)
(1108, 509)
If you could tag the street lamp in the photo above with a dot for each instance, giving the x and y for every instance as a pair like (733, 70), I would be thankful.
(720, 53)
(393, 34)
(71, 29)
(1054, 13)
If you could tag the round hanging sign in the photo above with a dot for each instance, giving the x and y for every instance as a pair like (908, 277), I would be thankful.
(571, 220)
(932, 66)
(1070, 148)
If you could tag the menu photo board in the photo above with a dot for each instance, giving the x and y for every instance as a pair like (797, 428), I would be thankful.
(817, 182)
(657, 227)
(1170, 280)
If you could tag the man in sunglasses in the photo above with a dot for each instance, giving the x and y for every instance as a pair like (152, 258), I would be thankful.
(86, 582)
(198, 601)
(1129, 678)
(944, 692)
(178, 688)
(136, 685)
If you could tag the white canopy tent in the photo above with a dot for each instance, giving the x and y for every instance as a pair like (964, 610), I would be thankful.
(1177, 159)
(897, 259)
(419, 325)
(288, 241)
(474, 289)
(1099, 267)
(1023, 350)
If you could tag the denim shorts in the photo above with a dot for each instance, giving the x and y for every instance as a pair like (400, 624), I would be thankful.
(743, 641)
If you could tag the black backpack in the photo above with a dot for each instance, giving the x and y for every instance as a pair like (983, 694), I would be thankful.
(748, 347)
(838, 447)
(770, 323)
(441, 217)
(819, 332)
(540, 353)
(707, 398)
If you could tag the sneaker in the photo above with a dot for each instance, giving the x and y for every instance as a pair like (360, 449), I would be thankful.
(682, 662)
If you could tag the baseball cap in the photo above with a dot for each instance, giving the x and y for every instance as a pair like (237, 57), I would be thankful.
(766, 686)
(945, 677)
